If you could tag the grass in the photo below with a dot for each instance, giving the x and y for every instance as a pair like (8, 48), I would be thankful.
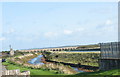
(10, 66)
(89, 46)
(110, 72)
(84, 58)
(45, 72)
(32, 71)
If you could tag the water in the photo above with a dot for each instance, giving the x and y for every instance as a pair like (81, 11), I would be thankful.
(36, 60)
(76, 69)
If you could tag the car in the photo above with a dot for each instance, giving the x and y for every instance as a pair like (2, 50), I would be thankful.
(3, 60)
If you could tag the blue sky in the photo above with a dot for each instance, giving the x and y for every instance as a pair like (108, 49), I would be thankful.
(51, 24)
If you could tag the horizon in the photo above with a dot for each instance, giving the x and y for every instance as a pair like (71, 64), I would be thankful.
(52, 47)
(51, 24)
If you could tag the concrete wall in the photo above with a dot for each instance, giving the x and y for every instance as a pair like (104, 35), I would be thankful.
(109, 56)
(108, 64)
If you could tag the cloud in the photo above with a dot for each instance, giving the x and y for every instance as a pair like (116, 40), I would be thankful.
(50, 34)
(107, 28)
(110, 26)
(11, 30)
(80, 29)
(2, 38)
(68, 32)
(108, 22)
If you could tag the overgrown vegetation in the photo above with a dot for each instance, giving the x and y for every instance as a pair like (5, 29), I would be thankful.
(75, 58)
(11, 66)
(23, 61)
(39, 71)
(51, 72)
(89, 46)
(94, 47)
(101, 73)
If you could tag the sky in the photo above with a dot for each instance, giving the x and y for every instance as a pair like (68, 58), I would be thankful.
(51, 24)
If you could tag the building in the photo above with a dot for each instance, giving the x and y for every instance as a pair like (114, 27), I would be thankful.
(11, 51)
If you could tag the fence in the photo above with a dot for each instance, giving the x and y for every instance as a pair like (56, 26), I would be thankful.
(109, 56)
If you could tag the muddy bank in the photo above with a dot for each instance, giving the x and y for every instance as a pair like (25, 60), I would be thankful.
(80, 67)
(85, 68)
(83, 58)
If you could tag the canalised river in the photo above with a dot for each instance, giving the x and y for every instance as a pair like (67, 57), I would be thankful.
(37, 60)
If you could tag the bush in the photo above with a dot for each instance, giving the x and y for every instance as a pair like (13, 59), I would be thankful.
(75, 58)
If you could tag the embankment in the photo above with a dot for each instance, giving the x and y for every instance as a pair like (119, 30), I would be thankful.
(81, 58)
(58, 68)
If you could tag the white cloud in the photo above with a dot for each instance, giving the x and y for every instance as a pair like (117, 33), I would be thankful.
(79, 29)
(107, 28)
(2, 38)
(68, 32)
(11, 30)
(50, 34)
(108, 22)
(110, 26)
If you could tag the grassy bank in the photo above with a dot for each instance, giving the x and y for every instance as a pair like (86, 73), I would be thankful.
(45, 72)
(11, 66)
(83, 58)
(22, 62)
(110, 72)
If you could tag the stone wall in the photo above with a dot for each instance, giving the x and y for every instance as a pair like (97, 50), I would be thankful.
(15, 72)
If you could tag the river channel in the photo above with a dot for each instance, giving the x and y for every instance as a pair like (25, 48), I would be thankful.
(37, 60)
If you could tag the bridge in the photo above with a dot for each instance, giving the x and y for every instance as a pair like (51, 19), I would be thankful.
(50, 49)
